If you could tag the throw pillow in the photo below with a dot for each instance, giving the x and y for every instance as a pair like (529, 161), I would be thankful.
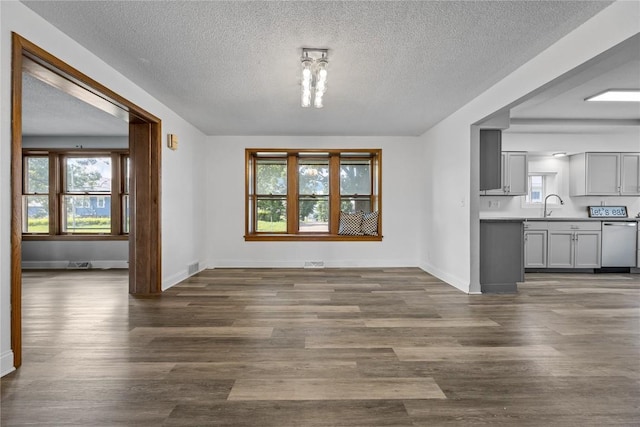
(370, 224)
(350, 223)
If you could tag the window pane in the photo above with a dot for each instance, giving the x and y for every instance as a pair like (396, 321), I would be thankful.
(314, 215)
(37, 214)
(536, 188)
(125, 214)
(271, 176)
(272, 215)
(355, 176)
(127, 174)
(37, 175)
(88, 174)
(313, 176)
(81, 214)
(351, 205)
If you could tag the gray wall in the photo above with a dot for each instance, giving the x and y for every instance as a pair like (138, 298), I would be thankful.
(58, 254)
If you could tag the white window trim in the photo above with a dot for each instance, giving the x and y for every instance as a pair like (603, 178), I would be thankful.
(553, 202)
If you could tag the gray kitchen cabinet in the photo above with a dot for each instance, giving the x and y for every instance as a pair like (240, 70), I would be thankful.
(490, 159)
(501, 255)
(574, 245)
(514, 175)
(630, 174)
(605, 174)
(535, 244)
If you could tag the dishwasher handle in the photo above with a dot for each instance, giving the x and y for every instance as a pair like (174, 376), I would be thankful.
(619, 224)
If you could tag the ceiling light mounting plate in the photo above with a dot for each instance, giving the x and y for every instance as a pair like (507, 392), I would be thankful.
(315, 54)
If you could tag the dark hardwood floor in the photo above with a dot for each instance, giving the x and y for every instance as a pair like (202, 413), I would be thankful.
(348, 347)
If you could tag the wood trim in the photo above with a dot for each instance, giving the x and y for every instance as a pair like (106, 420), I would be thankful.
(72, 237)
(16, 199)
(116, 193)
(60, 67)
(54, 194)
(292, 194)
(248, 176)
(310, 237)
(293, 233)
(146, 253)
(334, 191)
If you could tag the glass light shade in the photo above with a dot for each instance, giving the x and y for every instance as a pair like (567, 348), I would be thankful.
(306, 82)
(306, 98)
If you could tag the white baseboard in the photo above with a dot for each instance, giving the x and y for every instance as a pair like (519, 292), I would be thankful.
(343, 263)
(454, 281)
(6, 363)
(107, 264)
(177, 278)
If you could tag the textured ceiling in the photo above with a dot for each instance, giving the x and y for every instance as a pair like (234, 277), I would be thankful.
(49, 111)
(396, 68)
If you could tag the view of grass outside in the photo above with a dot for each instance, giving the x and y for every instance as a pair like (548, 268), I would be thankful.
(272, 227)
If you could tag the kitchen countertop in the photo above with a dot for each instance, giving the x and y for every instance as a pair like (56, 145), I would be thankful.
(556, 219)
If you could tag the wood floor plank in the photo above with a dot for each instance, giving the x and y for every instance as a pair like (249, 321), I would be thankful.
(429, 323)
(204, 331)
(475, 353)
(366, 347)
(336, 389)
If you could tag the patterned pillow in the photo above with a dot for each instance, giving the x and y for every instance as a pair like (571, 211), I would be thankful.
(351, 224)
(370, 224)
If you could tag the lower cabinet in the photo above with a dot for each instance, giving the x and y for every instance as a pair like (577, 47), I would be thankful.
(574, 245)
(535, 245)
(559, 244)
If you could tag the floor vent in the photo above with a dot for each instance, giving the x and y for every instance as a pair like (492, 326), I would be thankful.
(79, 265)
(314, 264)
(193, 268)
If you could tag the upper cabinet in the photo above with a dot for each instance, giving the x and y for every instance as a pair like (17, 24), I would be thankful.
(630, 174)
(605, 174)
(490, 154)
(513, 176)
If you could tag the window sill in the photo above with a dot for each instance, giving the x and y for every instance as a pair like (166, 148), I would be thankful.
(309, 237)
(71, 237)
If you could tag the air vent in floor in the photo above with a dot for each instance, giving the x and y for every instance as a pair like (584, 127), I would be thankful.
(314, 264)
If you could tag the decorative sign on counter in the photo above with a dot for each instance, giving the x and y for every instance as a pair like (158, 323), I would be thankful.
(607, 212)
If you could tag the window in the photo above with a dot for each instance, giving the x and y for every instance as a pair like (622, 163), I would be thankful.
(35, 199)
(536, 189)
(72, 194)
(298, 195)
(540, 184)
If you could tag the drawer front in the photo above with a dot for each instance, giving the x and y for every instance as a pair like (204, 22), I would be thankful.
(535, 225)
(575, 226)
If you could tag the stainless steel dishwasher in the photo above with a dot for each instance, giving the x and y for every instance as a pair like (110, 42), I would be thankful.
(619, 243)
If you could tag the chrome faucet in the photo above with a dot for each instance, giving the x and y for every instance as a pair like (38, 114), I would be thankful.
(546, 214)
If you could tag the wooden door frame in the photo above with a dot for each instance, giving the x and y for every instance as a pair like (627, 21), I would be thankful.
(145, 151)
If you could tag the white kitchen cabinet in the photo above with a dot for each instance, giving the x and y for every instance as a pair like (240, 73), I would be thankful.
(630, 174)
(605, 174)
(514, 175)
(535, 244)
(574, 244)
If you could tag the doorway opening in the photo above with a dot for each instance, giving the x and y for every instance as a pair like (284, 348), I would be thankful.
(144, 179)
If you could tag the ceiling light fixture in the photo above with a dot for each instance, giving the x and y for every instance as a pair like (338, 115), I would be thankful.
(560, 154)
(314, 76)
(620, 95)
